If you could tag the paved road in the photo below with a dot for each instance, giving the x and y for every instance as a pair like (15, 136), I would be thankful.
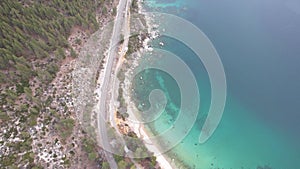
(112, 55)
(122, 52)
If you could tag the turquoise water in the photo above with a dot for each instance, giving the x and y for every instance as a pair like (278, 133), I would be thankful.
(258, 43)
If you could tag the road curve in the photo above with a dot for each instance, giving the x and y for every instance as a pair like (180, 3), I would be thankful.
(112, 55)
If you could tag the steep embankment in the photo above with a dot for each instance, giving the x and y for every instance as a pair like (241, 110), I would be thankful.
(39, 44)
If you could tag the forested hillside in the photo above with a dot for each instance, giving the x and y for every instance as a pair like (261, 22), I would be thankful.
(33, 30)
(33, 44)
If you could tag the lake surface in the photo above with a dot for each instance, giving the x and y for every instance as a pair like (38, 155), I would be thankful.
(259, 45)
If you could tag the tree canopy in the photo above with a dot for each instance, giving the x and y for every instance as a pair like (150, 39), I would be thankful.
(33, 30)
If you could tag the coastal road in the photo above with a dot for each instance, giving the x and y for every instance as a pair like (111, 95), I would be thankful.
(105, 86)
(122, 52)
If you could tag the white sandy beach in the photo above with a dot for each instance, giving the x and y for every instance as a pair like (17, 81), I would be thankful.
(137, 126)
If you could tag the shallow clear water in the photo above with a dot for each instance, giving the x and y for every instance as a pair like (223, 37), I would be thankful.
(258, 42)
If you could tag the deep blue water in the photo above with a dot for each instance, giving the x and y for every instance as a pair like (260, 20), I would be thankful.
(259, 44)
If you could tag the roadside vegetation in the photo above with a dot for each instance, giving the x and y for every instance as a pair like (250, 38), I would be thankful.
(37, 122)
(38, 125)
(147, 159)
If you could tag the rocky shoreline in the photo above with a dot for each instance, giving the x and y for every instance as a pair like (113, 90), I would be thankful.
(132, 61)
